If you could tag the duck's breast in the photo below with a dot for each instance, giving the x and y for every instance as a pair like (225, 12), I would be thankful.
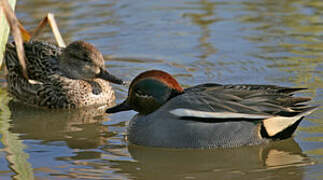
(89, 93)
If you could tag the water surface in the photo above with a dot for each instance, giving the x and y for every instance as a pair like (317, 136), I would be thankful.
(237, 41)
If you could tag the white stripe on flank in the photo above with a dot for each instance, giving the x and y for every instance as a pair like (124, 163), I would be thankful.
(221, 115)
(272, 124)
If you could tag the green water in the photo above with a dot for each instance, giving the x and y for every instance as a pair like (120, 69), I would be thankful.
(238, 41)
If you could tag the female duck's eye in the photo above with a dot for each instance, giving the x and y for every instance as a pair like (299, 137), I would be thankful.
(86, 57)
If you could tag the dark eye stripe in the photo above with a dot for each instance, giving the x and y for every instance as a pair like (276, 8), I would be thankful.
(80, 57)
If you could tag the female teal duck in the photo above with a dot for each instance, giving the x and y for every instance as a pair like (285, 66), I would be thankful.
(209, 115)
(71, 77)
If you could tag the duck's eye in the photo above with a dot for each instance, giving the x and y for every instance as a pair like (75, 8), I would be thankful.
(85, 56)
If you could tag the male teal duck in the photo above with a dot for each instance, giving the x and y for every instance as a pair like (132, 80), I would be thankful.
(209, 115)
(71, 77)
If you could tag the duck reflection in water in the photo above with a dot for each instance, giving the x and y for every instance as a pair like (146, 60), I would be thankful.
(274, 160)
(79, 128)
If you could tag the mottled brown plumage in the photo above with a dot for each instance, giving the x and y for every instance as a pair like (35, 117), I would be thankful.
(71, 77)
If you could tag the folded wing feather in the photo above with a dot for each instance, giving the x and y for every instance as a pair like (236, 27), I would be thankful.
(272, 123)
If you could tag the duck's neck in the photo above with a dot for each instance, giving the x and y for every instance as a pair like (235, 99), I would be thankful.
(175, 93)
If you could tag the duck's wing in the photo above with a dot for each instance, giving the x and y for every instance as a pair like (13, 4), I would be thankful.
(42, 64)
(274, 106)
(41, 59)
(50, 94)
(250, 99)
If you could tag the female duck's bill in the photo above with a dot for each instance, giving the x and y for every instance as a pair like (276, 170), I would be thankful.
(105, 75)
